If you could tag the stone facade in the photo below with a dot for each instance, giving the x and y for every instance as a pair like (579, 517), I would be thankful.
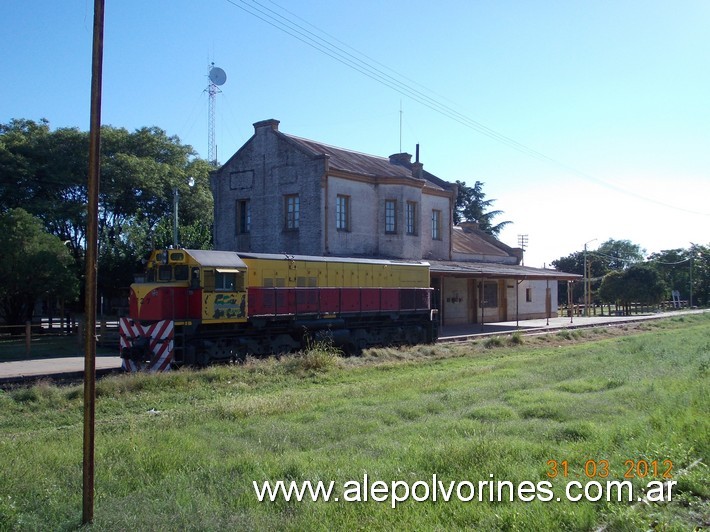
(264, 172)
(307, 198)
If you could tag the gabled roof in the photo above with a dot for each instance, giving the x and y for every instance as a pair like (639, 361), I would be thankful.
(474, 243)
(364, 164)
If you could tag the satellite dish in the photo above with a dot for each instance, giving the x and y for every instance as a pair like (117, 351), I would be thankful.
(217, 76)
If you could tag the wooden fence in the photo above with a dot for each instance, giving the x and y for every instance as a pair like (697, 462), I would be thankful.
(54, 332)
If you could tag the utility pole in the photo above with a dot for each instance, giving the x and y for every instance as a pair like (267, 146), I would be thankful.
(690, 298)
(91, 264)
(522, 244)
(586, 278)
(176, 199)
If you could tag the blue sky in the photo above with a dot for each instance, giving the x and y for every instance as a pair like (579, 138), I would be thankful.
(598, 113)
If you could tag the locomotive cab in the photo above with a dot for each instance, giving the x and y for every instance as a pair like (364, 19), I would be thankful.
(183, 285)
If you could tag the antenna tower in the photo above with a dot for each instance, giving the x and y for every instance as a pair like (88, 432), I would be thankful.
(523, 244)
(217, 77)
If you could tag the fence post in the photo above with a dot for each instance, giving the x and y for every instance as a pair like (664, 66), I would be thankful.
(28, 338)
(79, 331)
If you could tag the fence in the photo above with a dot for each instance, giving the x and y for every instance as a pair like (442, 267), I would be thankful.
(617, 310)
(53, 337)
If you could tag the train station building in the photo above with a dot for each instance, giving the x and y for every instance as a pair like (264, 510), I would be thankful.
(284, 194)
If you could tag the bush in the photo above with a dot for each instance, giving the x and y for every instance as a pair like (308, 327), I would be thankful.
(495, 341)
(516, 339)
(318, 357)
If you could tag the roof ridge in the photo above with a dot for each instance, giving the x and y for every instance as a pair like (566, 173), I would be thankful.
(296, 137)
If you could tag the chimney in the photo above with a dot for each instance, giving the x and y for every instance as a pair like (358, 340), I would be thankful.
(271, 123)
(417, 167)
(401, 159)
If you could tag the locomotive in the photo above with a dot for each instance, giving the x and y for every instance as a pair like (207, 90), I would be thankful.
(197, 307)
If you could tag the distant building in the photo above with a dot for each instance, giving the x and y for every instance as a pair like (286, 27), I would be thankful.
(284, 194)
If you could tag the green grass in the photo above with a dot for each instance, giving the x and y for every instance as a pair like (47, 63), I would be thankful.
(180, 450)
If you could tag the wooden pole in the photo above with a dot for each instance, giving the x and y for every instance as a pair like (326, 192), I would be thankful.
(28, 338)
(91, 263)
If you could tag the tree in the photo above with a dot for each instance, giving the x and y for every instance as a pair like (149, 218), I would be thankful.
(701, 274)
(609, 256)
(678, 267)
(640, 283)
(471, 206)
(45, 172)
(617, 254)
(33, 265)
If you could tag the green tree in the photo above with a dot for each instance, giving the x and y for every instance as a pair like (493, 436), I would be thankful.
(673, 265)
(701, 274)
(472, 205)
(640, 283)
(617, 254)
(612, 288)
(33, 265)
(679, 266)
(46, 172)
(609, 256)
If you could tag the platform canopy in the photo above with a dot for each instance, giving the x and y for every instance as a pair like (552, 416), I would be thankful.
(498, 271)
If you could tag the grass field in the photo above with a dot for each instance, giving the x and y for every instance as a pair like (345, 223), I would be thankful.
(181, 450)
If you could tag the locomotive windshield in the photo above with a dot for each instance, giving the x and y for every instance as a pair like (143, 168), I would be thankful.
(167, 273)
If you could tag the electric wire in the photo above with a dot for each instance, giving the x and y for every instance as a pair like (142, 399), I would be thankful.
(327, 47)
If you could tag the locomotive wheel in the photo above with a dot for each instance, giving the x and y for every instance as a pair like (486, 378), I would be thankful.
(283, 344)
(202, 358)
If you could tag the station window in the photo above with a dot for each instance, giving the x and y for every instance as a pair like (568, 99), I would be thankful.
(436, 225)
(292, 208)
(390, 216)
(411, 218)
(243, 216)
(528, 295)
(342, 213)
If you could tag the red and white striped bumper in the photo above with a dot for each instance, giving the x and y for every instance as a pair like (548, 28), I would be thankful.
(160, 338)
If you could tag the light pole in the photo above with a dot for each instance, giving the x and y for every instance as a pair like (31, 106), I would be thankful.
(176, 201)
(692, 260)
(586, 309)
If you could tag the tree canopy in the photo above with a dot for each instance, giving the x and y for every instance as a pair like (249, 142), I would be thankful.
(640, 283)
(676, 269)
(472, 205)
(611, 255)
(46, 172)
(33, 265)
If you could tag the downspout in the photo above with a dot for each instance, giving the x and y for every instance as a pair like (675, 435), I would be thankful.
(451, 228)
(326, 248)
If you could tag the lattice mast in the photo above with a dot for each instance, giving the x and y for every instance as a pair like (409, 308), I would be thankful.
(216, 77)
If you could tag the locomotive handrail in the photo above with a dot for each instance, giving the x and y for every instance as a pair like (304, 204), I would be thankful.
(276, 301)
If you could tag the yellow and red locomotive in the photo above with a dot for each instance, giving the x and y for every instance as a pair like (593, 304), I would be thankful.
(197, 307)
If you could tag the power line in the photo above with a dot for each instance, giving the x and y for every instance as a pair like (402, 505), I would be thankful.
(389, 78)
